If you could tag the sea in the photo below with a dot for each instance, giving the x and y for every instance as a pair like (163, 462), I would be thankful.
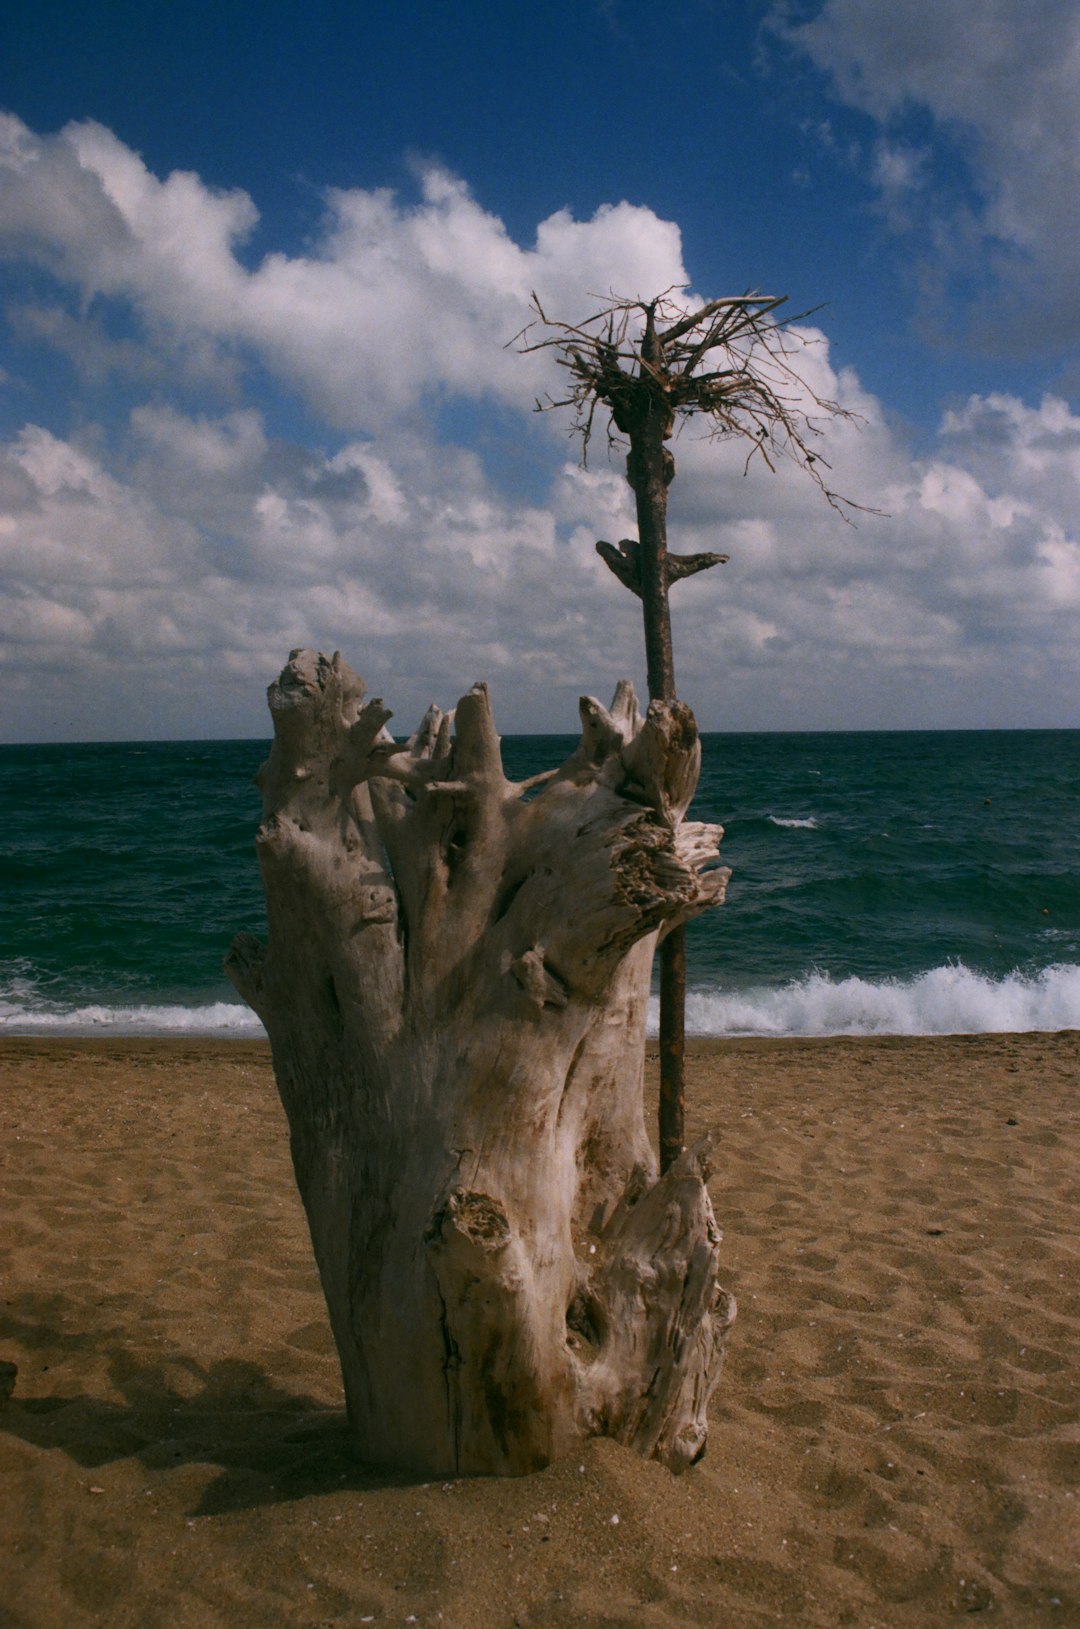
(905, 883)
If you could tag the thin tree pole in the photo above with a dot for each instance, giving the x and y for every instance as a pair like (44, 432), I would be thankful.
(650, 469)
(731, 361)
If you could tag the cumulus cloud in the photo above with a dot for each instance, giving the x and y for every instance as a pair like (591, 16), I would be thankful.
(132, 603)
(179, 588)
(395, 303)
(956, 606)
(156, 569)
(1002, 84)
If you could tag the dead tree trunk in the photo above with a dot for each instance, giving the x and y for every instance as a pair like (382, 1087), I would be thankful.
(648, 420)
(455, 987)
(647, 362)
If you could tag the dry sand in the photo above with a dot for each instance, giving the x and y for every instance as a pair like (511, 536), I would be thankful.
(894, 1442)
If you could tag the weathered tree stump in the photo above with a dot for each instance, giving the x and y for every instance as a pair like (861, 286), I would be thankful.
(455, 988)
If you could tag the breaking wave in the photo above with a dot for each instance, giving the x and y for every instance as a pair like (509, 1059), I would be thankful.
(216, 1018)
(951, 1000)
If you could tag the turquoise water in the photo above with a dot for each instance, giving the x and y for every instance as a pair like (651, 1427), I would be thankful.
(883, 883)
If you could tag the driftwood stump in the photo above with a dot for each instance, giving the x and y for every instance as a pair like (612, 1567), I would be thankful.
(455, 988)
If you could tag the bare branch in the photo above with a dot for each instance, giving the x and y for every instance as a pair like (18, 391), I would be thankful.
(625, 562)
(687, 565)
(731, 360)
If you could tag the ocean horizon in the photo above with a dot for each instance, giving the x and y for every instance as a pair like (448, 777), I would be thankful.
(884, 882)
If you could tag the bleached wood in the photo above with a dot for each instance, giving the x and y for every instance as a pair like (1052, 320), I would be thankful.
(455, 987)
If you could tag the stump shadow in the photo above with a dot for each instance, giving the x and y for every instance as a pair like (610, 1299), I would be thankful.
(270, 1444)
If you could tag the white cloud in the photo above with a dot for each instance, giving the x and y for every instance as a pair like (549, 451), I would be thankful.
(406, 557)
(1002, 83)
(956, 606)
(154, 573)
(1040, 446)
(901, 172)
(216, 555)
(204, 447)
(393, 304)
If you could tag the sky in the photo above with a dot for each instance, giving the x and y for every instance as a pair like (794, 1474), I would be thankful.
(261, 271)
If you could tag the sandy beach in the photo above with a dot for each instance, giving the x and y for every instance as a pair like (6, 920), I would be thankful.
(895, 1440)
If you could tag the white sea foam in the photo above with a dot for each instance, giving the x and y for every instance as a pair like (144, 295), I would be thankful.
(950, 1000)
(809, 824)
(216, 1018)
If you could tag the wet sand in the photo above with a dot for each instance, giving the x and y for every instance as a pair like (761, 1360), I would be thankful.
(895, 1440)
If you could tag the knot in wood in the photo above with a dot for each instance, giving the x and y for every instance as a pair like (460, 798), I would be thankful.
(682, 731)
(536, 981)
(649, 873)
(478, 1218)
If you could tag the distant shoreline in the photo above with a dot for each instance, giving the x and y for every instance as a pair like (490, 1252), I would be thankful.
(264, 742)
(185, 1047)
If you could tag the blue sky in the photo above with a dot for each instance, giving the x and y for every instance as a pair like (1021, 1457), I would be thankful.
(258, 269)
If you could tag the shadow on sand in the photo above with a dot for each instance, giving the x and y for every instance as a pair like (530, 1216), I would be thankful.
(269, 1443)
